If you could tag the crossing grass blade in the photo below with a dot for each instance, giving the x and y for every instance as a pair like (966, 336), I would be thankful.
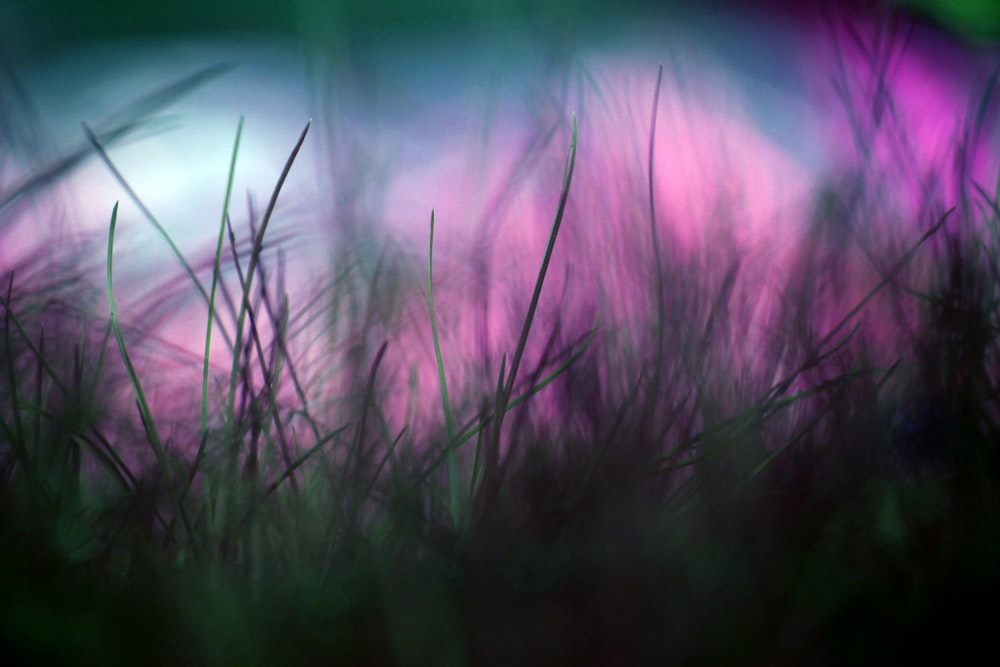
(163, 464)
(450, 455)
(216, 268)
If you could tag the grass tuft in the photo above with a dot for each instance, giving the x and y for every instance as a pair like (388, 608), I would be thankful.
(708, 452)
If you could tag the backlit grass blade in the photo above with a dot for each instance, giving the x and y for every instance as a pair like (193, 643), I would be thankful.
(258, 245)
(152, 220)
(477, 425)
(544, 268)
(661, 316)
(449, 422)
(152, 435)
(18, 435)
(216, 267)
(502, 400)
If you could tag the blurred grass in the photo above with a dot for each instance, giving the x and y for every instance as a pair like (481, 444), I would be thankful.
(658, 495)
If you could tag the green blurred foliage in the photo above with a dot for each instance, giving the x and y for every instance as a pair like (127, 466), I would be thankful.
(43, 26)
(978, 20)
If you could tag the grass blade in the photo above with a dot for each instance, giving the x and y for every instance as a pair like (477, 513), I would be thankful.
(449, 422)
(216, 268)
(162, 462)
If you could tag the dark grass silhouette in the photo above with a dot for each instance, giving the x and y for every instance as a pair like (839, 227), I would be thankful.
(701, 463)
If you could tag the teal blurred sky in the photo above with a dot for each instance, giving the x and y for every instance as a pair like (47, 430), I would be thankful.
(39, 28)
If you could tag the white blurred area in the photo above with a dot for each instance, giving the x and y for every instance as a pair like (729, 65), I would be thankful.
(412, 127)
(177, 159)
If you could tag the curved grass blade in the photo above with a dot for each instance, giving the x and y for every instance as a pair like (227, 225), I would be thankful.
(145, 413)
(153, 221)
(502, 400)
(449, 423)
(216, 267)
(661, 316)
(258, 245)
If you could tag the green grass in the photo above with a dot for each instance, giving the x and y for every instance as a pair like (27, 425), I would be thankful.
(643, 494)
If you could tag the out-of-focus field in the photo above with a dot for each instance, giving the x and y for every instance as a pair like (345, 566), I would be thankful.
(703, 369)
